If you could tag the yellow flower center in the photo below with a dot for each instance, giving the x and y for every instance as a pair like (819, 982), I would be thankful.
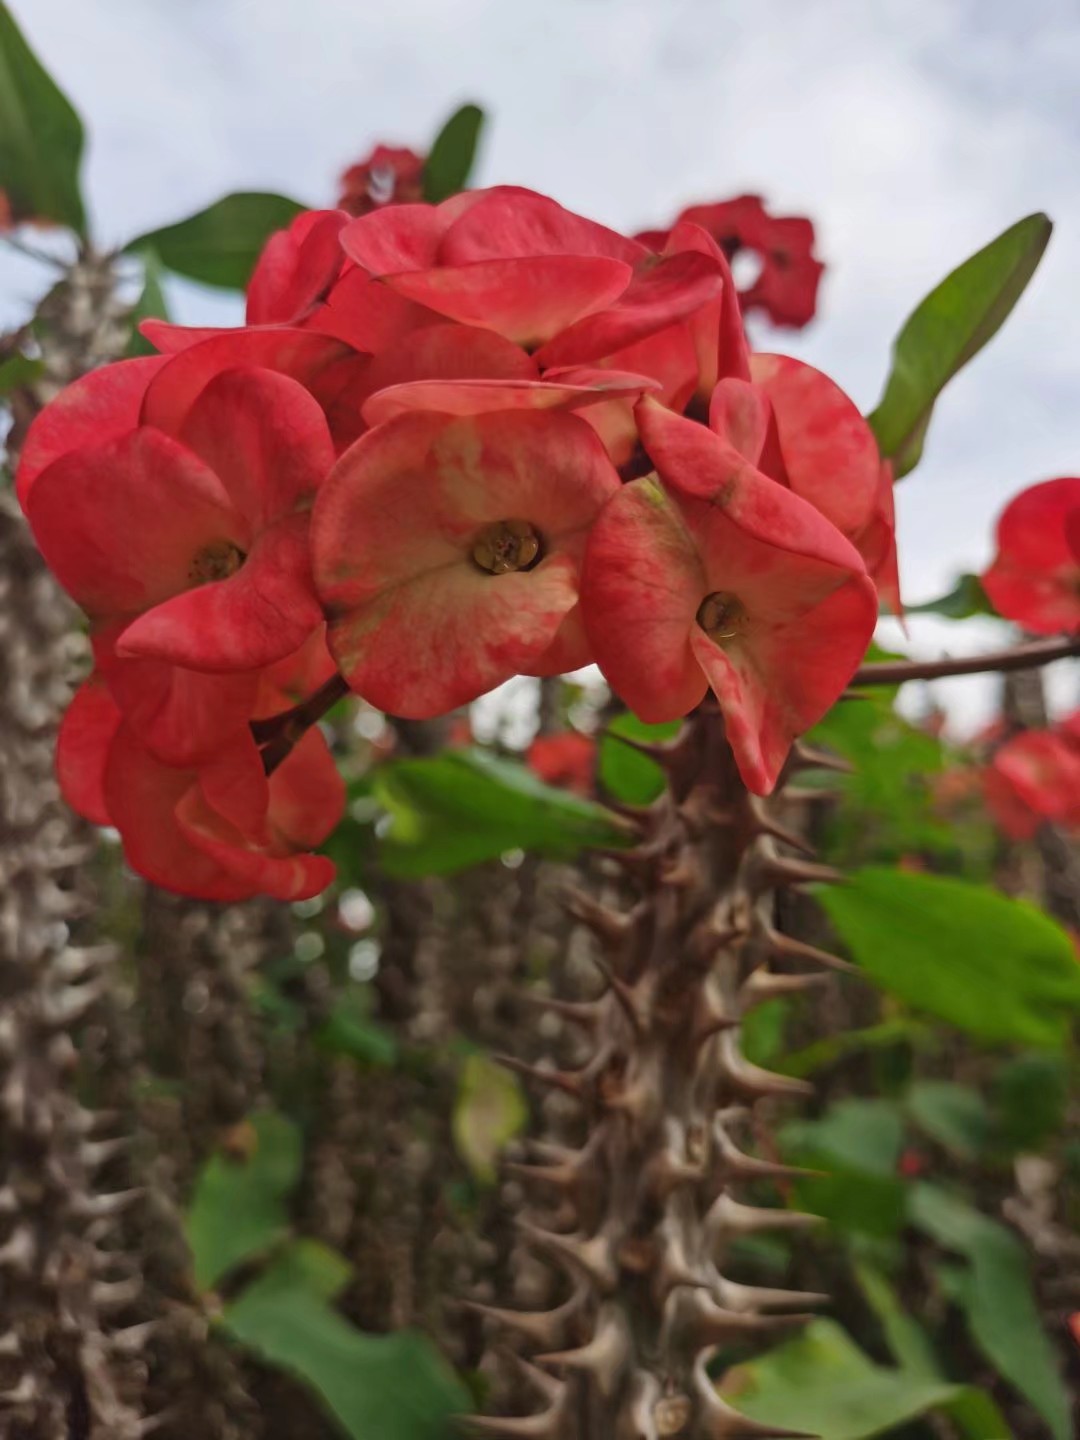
(506, 545)
(216, 561)
(722, 616)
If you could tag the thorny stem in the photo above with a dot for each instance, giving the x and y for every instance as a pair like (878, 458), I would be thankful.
(1016, 657)
(277, 734)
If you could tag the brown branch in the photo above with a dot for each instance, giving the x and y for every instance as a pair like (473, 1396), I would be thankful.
(1016, 657)
(277, 734)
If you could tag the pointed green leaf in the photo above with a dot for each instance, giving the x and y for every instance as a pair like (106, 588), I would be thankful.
(951, 326)
(956, 1116)
(41, 136)
(220, 245)
(451, 157)
(965, 599)
(239, 1208)
(997, 968)
(997, 1295)
(626, 773)
(394, 1387)
(465, 806)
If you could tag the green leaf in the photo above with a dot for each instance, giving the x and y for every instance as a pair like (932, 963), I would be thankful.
(19, 370)
(466, 806)
(151, 304)
(822, 1383)
(908, 1343)
(450, 159)
(857, 1143)
(350, 1030)
(1030, 1095)
(947, 329)
(488, 1112)
(393, 1386)
(996, 968)
(965, 599)
(239, 1209)
(954, 1115)
(41, 136)
(997, 1297)
(627, 774)
(220, 245)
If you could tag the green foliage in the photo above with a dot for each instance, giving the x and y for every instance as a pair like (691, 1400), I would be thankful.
(857, 1145)
(489, 1111)
(393, 1386)
(239, 1208)
(956, 1116)
(466, 806)
(350, 1030)
(823, 1384)
(151, 304)
(965, 599)
(885, 802)
(19, 370)
(453, 154)
(41, 136)
(947, 330)
(626, 774)
(220, 245)
(1030, 1095)
(996, 968)
(995, 1292)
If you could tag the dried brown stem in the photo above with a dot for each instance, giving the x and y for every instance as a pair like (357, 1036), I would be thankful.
(277, 734)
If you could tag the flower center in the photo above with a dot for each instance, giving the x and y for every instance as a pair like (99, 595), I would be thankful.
(722, 616)
(216, 561)
(506, 545)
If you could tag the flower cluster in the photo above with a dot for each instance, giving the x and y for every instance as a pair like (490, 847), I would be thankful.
(1035, 576)
(785, 286)
(452, 444)
(1035, 777)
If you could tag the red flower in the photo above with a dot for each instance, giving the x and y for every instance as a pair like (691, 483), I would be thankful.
(296, 269)
(1033, 777)
(786, 285)
(221, 831)
(1035, 576)
(713, 575)
(567, 759)
(198, 543)
(391, 175)
(446, 553)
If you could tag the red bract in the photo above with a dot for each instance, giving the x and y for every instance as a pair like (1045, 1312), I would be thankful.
(446, 553)
(713, 575)
(567, 759)
(221, 831)
(786, 286)
(1033, 777)
(199, 543)
(390, 175)
(296, 269)
(1035, 576)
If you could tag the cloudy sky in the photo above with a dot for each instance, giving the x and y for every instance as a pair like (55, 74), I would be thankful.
(911, 131)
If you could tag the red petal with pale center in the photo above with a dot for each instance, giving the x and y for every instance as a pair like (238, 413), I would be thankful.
(507, 221)
(121, 525)
(296, 269)
(367, 315)
(97, 407)
(717, 329)
(302, 354)
(307, 794)
(739, 413)
(829, 452)
(664, 291)
(578, 389)
(264, 437)
(416, 626)
(258, 615)
(527, 299)
(82, 746)
(641, 585)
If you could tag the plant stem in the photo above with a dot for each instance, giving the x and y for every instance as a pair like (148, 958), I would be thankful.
(277, 734)
(1016, 657)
